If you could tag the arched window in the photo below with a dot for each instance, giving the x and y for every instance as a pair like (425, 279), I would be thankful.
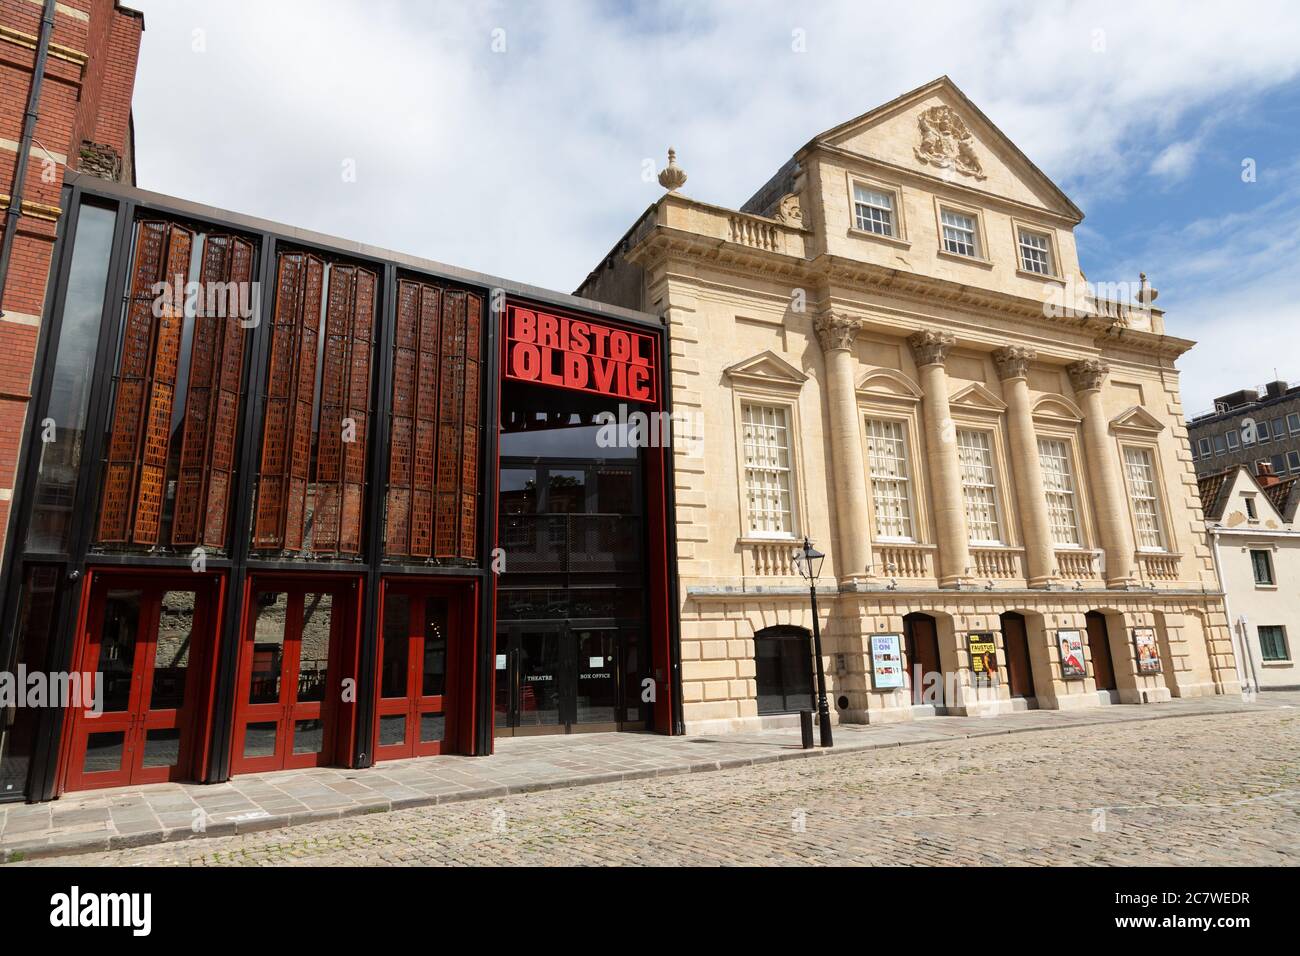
(783, 657)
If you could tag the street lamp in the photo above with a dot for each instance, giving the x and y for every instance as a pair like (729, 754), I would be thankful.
(809, 562)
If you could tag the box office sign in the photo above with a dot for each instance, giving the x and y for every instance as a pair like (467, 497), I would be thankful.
(579, 354)
(1070, 644)
(886, 661)
(983, 650)
(1148, 655)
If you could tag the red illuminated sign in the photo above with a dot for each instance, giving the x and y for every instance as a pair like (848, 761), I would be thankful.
(579, 354)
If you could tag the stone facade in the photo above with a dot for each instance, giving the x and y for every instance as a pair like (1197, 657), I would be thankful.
(906, 396)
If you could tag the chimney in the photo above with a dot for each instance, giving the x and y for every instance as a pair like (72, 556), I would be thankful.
(1264, 473)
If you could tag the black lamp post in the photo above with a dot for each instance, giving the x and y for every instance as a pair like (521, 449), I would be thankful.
(809, 562)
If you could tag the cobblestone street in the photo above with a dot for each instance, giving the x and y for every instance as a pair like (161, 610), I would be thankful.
(1222, 789)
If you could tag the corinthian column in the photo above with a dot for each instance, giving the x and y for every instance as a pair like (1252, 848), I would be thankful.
(931, 350)
(1040, 558)
(1103, 472)
(836, 334)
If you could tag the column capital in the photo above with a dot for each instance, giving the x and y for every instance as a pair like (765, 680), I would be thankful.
(836, 330)
(1013, 361)
(1087, 374)
(930, 347)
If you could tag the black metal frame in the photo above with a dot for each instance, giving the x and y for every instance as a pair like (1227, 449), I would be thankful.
(239, 562)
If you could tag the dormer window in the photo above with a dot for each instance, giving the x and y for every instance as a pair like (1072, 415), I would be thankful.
(1036, 253)
(873, 210)
(959, 234)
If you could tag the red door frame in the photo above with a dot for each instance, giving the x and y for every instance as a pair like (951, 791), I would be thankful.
(457, 699)
(337, 710)
(194, 720)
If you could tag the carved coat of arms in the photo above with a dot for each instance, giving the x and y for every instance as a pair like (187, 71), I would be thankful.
(946, 142)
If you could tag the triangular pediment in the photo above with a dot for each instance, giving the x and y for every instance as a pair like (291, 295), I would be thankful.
(936, 131)
(766, 368)
(977, 397)
(1137, 420)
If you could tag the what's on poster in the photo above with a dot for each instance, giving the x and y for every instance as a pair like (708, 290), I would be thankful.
(886, 661)
(983, 650)
(1148, 655)
(1070, 644)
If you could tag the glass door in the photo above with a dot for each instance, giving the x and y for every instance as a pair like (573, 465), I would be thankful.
(286, 674)
(142, 641)
(415, 662)
(594, 678)
(560, 678)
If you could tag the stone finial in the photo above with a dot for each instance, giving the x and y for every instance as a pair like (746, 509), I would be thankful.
(930, 347)
(1146, 295)
(672, 177)
(836, 331)
(1087, 374)
(1013, 361)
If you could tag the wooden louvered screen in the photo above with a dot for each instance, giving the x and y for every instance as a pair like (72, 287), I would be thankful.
(298, 510)
(207, 460)
(434, 433)
(132, 508)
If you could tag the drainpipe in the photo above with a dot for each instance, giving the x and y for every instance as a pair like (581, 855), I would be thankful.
(1245, 661)
(25, 146)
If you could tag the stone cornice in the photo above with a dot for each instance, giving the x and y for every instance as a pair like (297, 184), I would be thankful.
(660, 241)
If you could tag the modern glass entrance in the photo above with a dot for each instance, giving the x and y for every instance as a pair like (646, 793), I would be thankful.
(561, 677)
(570, 654)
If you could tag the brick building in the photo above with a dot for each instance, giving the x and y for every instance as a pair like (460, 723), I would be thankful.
(82, 125)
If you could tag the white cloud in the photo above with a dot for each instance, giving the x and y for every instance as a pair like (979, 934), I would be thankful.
(528, 162)
(1175, 161)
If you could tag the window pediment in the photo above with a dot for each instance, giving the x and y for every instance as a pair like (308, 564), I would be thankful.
(885, 384)
(977, 399)
(1057, 410)
(1136, 422)
(767, 370)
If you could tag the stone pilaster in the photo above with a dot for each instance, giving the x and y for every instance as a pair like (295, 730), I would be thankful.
(1104, 473)
(931, 349)
(1040, 558)
(852, 496)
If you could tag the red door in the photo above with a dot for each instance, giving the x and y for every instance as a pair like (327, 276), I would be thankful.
(417, 651)
(1015, 641)
(146, 639)
(1103, 670)
(923, 657)
(290, 686)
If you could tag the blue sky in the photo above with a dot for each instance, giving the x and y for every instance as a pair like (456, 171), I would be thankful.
(512, 137)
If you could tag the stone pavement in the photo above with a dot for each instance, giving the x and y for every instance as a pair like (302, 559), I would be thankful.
(138, 816)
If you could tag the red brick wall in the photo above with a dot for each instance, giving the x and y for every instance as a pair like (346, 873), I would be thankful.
(86, 96)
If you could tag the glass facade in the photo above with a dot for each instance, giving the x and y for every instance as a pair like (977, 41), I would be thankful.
(571, 596)
(246, 498)
(63, 426)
